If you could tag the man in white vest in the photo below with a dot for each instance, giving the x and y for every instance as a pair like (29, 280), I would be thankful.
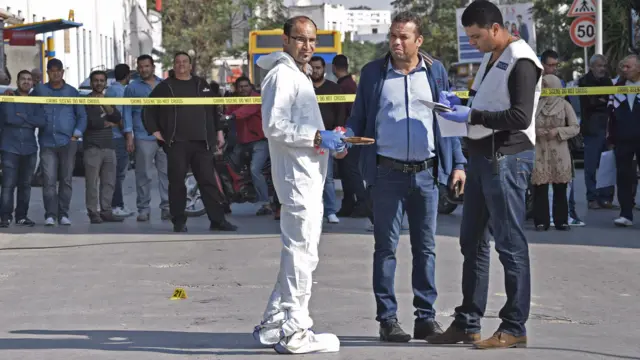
(501, 138)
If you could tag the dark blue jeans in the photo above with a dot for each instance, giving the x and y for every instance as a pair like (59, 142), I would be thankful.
(394, 193)
(593, 148)
(498, 202)
(17, 171)
(122, 158)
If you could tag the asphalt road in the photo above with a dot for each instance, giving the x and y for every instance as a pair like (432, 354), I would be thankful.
(102, 291)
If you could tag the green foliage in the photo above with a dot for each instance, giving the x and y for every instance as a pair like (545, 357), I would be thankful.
(553, 26)
(359, 53)
(205, 26)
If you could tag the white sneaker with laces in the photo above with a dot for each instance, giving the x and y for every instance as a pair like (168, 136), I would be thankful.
(333, 219)
(623, 222)
(49, 222)
(306, 342)
(122, 212)
(65, 221)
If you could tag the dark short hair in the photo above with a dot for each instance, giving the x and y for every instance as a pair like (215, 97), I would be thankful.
(179, 53)
(24, 72)
(96, 73)
(121, 71)
(548, 54)
(409, 17)
(54, 63)
(318, 58)
(241, 79)
(143, 58)
(291, 22)
(341, 62)
(482, 13)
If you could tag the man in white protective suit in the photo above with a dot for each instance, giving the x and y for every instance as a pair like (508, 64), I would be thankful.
(299, 147)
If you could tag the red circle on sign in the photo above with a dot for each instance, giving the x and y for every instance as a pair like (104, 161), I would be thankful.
(580, 36)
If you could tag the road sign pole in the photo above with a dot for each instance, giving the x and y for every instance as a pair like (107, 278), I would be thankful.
(586, 59)
(599, 27)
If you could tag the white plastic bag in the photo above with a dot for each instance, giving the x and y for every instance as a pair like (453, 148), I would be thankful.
(606, 175)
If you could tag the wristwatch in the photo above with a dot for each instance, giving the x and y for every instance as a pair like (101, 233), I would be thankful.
(317, 140)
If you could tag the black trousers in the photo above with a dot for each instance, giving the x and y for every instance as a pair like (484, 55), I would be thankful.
(626, 176)
(352, 183)
(541, 205)
(180, 156)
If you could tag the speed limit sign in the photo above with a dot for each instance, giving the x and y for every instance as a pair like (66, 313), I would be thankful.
(583, 31)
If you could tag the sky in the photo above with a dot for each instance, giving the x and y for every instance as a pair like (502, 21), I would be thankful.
(373, 4)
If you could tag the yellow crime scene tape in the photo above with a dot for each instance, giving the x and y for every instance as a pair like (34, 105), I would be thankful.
(582, 91)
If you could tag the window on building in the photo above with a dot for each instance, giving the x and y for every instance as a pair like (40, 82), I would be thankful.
(374, 30)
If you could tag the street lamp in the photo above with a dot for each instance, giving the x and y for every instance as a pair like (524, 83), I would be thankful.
(192, 54)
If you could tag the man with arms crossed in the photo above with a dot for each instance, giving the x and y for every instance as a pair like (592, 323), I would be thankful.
(149, 156)
(299, 147)
(501, 134)
(404, 169)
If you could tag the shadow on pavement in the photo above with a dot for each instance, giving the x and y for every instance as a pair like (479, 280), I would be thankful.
(164, 342)
(371, 341)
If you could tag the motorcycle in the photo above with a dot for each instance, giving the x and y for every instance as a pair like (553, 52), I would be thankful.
(233, 179)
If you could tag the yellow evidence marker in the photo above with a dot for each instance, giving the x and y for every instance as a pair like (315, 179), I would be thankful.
(179, 294)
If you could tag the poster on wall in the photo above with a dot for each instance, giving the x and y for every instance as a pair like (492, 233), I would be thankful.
(518, 19)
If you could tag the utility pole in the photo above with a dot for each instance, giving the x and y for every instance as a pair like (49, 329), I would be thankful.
(599, 44)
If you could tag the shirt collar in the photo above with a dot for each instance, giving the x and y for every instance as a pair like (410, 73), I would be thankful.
(421, 65)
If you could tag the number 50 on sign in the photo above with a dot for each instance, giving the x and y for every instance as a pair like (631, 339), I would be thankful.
(583, 31)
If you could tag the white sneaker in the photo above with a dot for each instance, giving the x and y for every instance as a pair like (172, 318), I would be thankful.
(306, 341)
(49, 222)
(122, 212)
(333, 219)
(623, 221)
(65, 221)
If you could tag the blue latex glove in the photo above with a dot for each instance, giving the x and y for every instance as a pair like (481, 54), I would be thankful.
(460, 114)
(342, 147)
(450, 99)
(349, 133)
(332, 140)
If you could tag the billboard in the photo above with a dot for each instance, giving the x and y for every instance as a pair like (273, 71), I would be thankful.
(518, 19)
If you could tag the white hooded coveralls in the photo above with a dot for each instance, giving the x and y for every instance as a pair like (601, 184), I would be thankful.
(290, 118)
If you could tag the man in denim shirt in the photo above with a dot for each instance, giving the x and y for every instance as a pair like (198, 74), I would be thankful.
(58, 144)
(19, 152)
(148, 153)
(122, 141)
(404, 169)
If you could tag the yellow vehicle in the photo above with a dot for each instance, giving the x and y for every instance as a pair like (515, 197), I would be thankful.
(263, 42)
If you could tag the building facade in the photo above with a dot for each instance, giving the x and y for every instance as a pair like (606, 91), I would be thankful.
(112, 32)
(360, 24)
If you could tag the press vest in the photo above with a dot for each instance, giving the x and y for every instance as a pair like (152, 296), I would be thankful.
(492, 92)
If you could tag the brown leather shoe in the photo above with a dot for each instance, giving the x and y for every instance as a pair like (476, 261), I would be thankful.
(501, 340)
(453, 335)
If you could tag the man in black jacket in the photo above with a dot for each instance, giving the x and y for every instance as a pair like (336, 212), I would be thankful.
(189, 134)
(593, 127)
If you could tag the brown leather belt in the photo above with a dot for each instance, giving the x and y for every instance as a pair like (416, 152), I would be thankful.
(411, 167)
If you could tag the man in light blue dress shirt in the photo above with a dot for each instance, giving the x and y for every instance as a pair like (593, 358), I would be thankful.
(404, 169)
(121, 137)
